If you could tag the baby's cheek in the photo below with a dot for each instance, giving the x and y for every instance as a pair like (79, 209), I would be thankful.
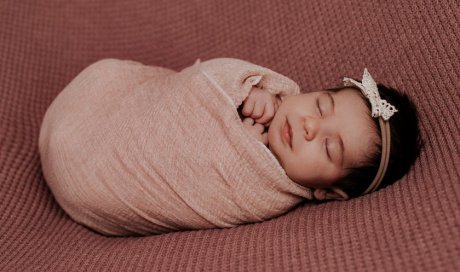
(294, 168)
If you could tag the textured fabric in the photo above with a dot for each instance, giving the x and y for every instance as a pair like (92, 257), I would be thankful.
(414, 46)
(130, 149)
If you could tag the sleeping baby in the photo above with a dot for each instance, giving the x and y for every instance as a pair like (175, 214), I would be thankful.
(130, 149)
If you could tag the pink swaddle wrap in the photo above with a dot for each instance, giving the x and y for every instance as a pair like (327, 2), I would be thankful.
(130, 149)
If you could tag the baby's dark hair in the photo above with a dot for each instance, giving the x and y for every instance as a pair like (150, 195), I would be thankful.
(404, 148)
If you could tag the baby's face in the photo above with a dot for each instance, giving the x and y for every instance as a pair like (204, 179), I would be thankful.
(316, 136)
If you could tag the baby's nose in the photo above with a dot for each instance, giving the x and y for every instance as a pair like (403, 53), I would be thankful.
(311, 126)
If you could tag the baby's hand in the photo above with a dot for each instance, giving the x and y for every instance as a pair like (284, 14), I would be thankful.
(256, 129)
(260, 105)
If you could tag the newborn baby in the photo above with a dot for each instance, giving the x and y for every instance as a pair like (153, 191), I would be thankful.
(130, 149)
(314, 136)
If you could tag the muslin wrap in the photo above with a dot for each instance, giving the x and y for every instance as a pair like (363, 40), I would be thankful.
(131, 149)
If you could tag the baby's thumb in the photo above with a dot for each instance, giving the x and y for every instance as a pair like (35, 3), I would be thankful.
(265, 138)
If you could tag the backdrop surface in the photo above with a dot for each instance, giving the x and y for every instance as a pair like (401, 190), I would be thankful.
(410, 45)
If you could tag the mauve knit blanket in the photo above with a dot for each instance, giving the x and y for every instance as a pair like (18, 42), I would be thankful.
(130, 149)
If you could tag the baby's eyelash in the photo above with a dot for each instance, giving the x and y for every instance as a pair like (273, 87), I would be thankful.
(319, 108)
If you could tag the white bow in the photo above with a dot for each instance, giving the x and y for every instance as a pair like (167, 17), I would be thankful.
(380, 107)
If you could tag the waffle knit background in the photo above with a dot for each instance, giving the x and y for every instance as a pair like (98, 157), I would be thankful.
(411, 45)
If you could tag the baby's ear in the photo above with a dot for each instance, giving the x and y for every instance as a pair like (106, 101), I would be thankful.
(330, 193)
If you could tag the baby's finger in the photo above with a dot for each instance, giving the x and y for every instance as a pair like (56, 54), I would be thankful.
(258, 110)
(248, 121)
(259, 128)
(278, 101)
(248, 107)
(269, 112)
(277, 104)
(265, 138)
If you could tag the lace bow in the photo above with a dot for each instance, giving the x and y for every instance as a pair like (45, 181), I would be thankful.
(380, 107)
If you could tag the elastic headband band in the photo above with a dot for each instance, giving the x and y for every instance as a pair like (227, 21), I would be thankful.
(386, 140)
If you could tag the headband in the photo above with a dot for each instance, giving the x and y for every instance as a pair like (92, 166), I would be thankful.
(383, 110)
